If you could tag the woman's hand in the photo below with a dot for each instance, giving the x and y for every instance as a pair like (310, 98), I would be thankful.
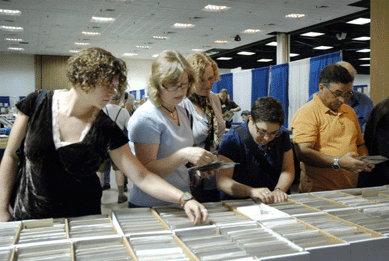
(279, 196)
(196, 212)
(5, 216)
(199, 156)
(205, 174)
(262, 194)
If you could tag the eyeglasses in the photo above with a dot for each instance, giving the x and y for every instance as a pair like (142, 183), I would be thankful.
(175, 88)
(337, 96)
(261, 132)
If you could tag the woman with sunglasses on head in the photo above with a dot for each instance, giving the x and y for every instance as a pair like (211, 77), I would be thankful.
(264, 152)
(66, 138)
(160, 130)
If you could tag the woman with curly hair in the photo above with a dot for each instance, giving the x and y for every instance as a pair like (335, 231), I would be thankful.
(66, 137)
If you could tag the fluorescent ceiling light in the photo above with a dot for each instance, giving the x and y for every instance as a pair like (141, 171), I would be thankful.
(14, 39)
(83, 44)
(143, 46)
(293, 54)
(362, 38)
(364, 51)
(264, 60)
(246, 53)
(15, 48)
(102, 19)
(272, 44)
(180, 25)
(197, 50)
(130, 54)
(323, 47)
(155, 55)
(359, 21)
(364, 59)
(295, 15)
(74, 51)
(90, 33)
(220, 42)
(160, 37)
(10, 12)
(251, 31)
(365, 65)
(224, 58)
(312, 34)
(216, 8)
(11, 28)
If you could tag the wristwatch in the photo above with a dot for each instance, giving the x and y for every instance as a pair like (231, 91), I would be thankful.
(185, 198)
(279, 189)
(336, 165)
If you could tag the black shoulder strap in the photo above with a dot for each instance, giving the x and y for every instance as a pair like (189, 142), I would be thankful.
(190, 116)
(253, 147)
(117, 115)
(39, 99)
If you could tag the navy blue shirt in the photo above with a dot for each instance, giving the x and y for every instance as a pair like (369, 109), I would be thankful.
(249, 171)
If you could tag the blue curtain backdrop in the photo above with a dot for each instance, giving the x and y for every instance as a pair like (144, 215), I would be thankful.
(317, 64)
(133, 93)
(279, 86)
(224, 83)
(260, 83)
(142, 94)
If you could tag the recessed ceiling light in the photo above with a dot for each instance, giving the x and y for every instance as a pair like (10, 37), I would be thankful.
(160, 37)
(155, 55)
(362, 38)
(14, 39)
(312, 34)
(102, 19)
(143, 46)
(251, 31)
(183, 26)
(224, 58)
(294, 16)
(365, 65)
(272, 44)
(220, 42)
(74, 51)
(15, 48)
(364, 59)
(90, 33)
(216, 8)
(11, 28)
(323, 47)
(293, 54)
(359, 21)
(246, 53)
(84, 44)
(10, 12)
(363, 51)
(197, 50)
(264, 60)
(130, 54)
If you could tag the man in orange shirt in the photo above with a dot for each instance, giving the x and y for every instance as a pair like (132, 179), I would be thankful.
(327, 136)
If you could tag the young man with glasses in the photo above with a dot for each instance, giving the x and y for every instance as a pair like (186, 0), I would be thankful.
(264, 152)
(327, 136)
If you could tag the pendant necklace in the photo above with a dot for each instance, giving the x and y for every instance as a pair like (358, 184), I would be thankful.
(171, 112)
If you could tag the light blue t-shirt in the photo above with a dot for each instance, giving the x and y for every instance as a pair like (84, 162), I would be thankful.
(150, 124)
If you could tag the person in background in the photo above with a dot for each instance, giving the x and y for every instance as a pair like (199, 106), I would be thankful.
(66, 139)
(160, 130)
(245, 115)
(327, 136)
(129, 105)
(121, 117)
(264, 152)
(377, 142)
(208, 124)
(227, 106)
(360, 102)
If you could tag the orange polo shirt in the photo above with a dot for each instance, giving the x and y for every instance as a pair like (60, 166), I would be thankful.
(334, 134)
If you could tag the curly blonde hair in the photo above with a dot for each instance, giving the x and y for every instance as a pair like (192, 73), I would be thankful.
(168, 68)
(96, 65)
(199, 61)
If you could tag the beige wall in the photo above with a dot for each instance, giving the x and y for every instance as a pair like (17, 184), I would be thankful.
(50, 72)
(379, 44)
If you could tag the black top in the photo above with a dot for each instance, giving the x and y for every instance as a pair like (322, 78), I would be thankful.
(228, 105)
(63, 182)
